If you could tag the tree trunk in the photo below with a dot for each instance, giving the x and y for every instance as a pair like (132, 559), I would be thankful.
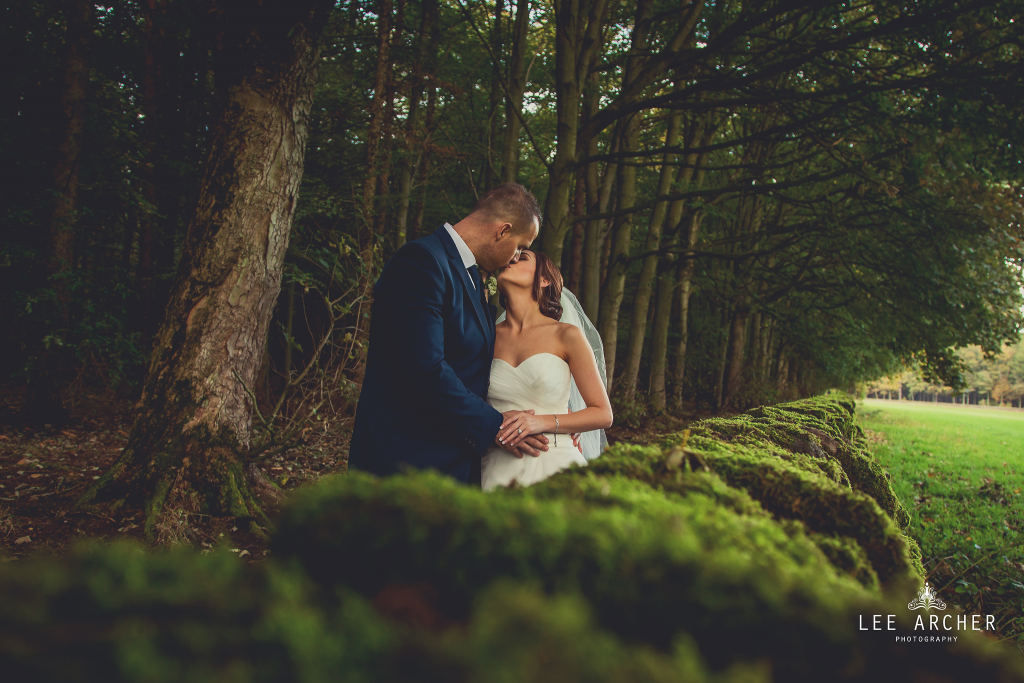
(576, 255)
(186, 451)
(684, 278)
(599, 192)
(577, 34)
(723, 351)
(494, 101)
(737, 345)
(659, 336)
(516, 88)
(368, 238)
(43, 399)
(424, 176)
(614, 286)
(649, 268)
(433, 33)
(386, 142)
(413, 122)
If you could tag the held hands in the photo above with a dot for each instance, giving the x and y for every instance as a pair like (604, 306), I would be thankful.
(531, 443)
(521, 430)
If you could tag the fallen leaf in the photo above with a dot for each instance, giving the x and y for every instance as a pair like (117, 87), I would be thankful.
(23, 461)
(34, 476)
(243, 553)
(24, 539)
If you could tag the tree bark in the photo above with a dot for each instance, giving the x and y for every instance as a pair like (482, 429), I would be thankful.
(735, 358)
(186, 451)
(414, 120)
(577, 34)
(649, 267)
(43, 399)
(576, 257)
(368, 237)
(622, 232)
(516, 87)
(494, 101)
(599, 192)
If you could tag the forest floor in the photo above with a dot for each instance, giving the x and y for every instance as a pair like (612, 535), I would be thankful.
(959, 471)
(45, 469)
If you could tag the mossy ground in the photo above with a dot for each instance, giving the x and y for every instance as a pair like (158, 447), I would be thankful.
(741, 550)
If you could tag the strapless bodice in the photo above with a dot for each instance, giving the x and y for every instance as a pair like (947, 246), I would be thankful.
(540, 382)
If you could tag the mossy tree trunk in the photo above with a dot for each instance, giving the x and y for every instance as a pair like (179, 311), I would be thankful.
(187, 447)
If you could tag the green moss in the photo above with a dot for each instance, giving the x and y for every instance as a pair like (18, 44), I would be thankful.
(119, 614)
(803, 461)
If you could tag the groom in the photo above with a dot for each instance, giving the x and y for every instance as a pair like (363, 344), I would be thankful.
(432, 341)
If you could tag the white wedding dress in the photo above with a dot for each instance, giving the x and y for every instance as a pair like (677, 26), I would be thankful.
(542, 383)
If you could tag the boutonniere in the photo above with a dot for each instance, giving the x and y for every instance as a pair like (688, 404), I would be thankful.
(492, 286)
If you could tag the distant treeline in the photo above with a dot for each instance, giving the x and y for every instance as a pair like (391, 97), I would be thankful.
(995, 380)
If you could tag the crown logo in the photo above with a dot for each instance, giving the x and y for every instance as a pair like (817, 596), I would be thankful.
(928, 599)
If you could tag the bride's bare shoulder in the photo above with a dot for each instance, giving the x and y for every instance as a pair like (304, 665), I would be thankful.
(568, 333)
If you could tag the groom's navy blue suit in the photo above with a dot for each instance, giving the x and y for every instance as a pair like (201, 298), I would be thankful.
(428, 366)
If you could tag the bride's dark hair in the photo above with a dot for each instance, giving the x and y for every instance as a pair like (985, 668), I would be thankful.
(549, 297)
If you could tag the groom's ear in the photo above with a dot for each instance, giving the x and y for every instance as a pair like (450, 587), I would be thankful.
(505, 231)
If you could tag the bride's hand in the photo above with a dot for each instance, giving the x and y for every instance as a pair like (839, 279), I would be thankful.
(515, 428)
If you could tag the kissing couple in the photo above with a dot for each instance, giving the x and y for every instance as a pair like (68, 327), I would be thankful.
(448, 388)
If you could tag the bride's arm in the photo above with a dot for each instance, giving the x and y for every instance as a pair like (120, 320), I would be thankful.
(597, 414)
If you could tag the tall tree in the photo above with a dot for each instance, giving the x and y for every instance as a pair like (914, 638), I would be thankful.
(187, 447)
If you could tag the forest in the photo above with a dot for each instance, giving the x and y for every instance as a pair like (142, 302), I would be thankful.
(766, 207)
(753, 200)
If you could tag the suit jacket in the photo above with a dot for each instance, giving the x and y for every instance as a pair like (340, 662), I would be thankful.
(428, 366)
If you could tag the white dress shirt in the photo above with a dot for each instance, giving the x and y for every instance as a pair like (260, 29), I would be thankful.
(467, 256)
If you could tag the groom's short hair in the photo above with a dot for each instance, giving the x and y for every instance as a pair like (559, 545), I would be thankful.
(510, 202)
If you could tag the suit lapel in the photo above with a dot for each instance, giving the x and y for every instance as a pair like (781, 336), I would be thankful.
(472, 293)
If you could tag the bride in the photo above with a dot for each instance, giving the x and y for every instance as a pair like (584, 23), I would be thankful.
(548, 359)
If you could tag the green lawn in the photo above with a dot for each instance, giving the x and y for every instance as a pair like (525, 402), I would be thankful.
(959, 470)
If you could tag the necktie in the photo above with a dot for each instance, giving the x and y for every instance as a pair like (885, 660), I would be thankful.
(474, 273)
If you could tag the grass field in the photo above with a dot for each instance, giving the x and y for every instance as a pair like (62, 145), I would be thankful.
(959, 470)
